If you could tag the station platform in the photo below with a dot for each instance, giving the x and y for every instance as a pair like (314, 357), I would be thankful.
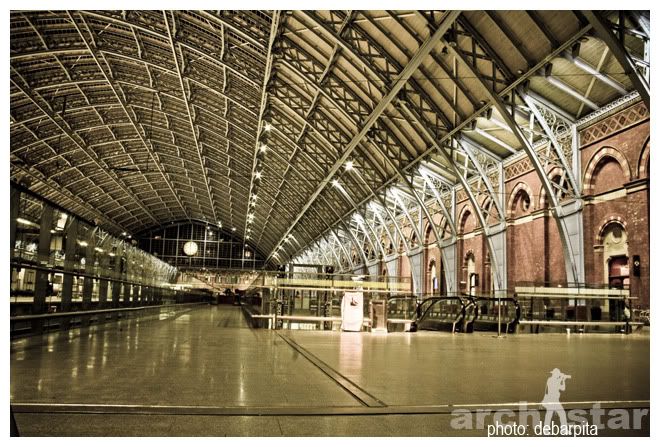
(206, 373)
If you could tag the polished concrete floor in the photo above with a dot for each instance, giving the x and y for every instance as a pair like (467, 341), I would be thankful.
(205, 372)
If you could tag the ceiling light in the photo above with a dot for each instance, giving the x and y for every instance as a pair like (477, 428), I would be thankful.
(123, 233)
(349, 165)
(267, 127)
(82, 243)
(233, 228)
(335, 183)
(263, 148)
(257, 174)
(25, 221)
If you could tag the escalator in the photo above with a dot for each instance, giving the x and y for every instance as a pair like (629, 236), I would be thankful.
(467, 314)
(489, 310)
(444, 313)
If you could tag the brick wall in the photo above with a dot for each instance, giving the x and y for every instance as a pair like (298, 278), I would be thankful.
(614, 158)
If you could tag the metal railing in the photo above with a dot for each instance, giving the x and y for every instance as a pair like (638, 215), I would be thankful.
(500, 314)
(24, 325)
(443, 313)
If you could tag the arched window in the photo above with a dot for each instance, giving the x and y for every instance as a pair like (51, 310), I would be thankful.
(607, 176)
(433, 277)
(472, 279)
(615, 255)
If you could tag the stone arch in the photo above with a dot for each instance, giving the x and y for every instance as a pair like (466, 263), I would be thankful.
(469, 269)
(429, 236)
(595, 162)
(613, 238)
(463, 216)
(606, 223)
(643, 163)
(521, 187)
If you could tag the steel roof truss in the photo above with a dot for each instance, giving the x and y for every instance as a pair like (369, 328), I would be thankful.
(613, 36)
(185, 92)
(121, 100)
(566, 214)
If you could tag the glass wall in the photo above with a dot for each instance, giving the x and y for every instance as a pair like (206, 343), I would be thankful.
(197, 245)
(60, 262)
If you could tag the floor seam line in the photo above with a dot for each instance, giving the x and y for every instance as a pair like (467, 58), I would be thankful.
(320, 364)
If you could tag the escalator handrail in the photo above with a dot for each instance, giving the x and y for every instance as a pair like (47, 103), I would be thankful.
(420, 315)
(472, 303)
(515, 302)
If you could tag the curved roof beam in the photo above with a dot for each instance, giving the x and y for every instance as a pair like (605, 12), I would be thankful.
(164, 36)
(386, 156)
(274, 31)
(64, 127)
(185, 93)
(401, 80)
(570, 246)
(119, 97)
(303, 153)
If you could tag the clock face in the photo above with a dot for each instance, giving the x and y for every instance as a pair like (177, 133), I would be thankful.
(190, 248)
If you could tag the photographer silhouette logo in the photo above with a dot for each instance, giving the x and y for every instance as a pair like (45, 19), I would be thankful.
(554, 386)
(526, 420)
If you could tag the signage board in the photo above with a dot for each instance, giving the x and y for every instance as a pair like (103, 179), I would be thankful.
(352, 312)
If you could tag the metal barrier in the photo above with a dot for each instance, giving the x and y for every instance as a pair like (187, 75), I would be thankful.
(24, 325)
(278, 321)
(601, 309)
(492, 312)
